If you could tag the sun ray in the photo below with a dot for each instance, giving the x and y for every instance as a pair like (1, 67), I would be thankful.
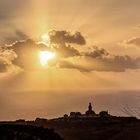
(45, 38)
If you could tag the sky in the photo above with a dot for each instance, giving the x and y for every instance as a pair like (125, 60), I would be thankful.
(96, 46)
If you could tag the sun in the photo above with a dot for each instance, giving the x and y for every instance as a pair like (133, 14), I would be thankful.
(45, 56)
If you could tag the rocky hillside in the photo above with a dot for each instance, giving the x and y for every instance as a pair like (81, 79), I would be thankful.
(26, 132)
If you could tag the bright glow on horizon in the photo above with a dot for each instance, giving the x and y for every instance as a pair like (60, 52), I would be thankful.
(45, 56)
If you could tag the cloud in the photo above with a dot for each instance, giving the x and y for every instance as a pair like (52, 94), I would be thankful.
(62, 41)
(101, 60)
(16, 35)
(62, 37)
(6, 58)
(66, 50)
(134, 41)
(108, 62)
(27, 53)
(3, 66)
(97, 52)
(69, 65)
(7, 55)
(95, 59)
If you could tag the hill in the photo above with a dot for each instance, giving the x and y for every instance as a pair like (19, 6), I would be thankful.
(26, 132)
(117, 128)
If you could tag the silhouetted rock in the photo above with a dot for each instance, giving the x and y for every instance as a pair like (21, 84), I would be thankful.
(20, 121)
(40, 120)
(66, 116)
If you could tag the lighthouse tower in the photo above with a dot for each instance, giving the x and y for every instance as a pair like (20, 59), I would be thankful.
(90, 111)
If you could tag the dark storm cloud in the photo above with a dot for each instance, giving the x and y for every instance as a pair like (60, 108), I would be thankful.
(134, 41)
(62, 37)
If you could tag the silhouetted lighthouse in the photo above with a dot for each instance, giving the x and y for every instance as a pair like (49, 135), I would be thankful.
(90, 111)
